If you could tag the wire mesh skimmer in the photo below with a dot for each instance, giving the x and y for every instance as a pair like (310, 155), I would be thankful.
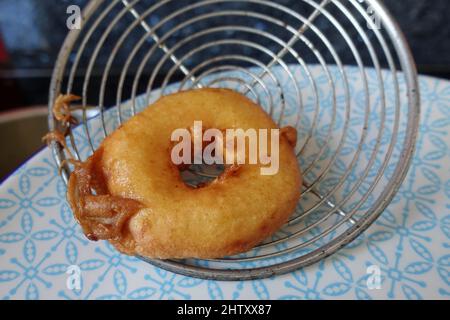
(338, 70)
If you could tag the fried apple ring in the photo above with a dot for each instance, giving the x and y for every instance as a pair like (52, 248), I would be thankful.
(132, 194)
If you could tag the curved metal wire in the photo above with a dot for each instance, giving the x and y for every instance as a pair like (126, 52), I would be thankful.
(330, 214)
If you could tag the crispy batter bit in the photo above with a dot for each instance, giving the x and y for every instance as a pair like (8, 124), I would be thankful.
(101, 215)
(62, 109)
(57, 136)
(291, 135)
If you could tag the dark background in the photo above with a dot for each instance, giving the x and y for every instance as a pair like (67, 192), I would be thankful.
(32, 31)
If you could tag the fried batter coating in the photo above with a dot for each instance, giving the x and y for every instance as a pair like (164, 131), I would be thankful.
(130, 193)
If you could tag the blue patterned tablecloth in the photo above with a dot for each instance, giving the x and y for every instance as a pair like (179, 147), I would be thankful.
(409, 243)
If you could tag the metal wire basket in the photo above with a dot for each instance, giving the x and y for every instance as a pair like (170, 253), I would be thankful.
(354, 146)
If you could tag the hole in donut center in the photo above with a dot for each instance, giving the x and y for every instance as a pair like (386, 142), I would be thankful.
(198, 175)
